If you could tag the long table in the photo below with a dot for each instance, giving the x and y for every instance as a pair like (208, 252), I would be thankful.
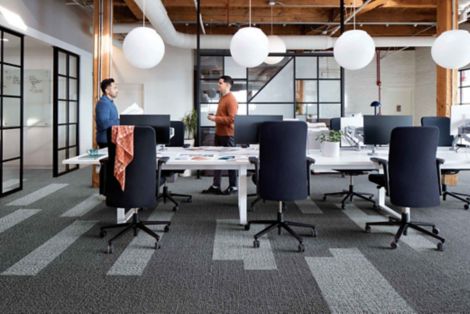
(212, 158)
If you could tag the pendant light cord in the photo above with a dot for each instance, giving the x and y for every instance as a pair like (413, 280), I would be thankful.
(249, 8)
(453, 14)
(143, 16)
(271, 20)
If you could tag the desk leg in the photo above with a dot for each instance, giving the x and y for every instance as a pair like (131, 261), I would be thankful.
(242, 194)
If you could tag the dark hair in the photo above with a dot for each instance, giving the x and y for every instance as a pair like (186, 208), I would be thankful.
(227, 79)
(105, 83)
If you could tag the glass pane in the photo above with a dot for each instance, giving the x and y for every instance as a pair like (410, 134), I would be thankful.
(73, 111)
(12, 48)
(72, 135)
(233, 69)
(466, 95)
(61, 156)
(73, 66)
(62, 86)
(280, 88)
(72, 152)
(212, 108)
(329, 68)
(305, 91)
(242, 110)
(73, 87)
(306, 112)
(11, 112)
(286, 110)
(209, 93)
(62, 135)
(330, 111)
(330, 91)
(11, 175)
(62, 63)
(465, 78)
(11, 143)
(306, 67)
(12, 81)
(62, 112)
(212, 67)
(263, 74)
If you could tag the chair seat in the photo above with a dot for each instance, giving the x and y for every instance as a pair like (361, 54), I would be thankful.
(353, 172)
(377, 178)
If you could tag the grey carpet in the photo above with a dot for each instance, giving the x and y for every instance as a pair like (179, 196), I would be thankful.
(52, 260)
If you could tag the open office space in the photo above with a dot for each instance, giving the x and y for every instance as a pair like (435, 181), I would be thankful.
(234, 156)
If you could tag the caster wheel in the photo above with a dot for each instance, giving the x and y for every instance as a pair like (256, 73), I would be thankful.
(256, 243)
(393, 245)
(465, 206)
(110, 249)
(247, 227)
(175, 208)
(102, 233)
(157, 246)
(166, 229)
(301, 247)
(314, 233)
(189, 199)
(435, 230)
(367, 229)
(324, 198)
(342, 206)
(440, 246)
(371, 197)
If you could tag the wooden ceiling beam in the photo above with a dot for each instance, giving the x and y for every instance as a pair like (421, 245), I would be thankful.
(259, 3)
(134, 8)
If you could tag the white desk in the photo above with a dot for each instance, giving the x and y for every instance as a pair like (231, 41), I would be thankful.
(349, 159)
(180, 159)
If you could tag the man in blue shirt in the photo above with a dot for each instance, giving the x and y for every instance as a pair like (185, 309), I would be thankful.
(106, 113)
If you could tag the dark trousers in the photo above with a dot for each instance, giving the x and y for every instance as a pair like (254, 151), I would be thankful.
(227, 141)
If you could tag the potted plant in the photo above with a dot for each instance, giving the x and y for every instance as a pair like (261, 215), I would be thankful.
(190, 123)
(329, 143)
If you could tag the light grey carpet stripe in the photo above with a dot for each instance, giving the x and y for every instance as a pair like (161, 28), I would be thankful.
(137, 255)
(351, 284)
(413, 239)
(16, 217)
(38, 259)
(37, 195)
(232, 244)
(308, 206)
(83, 207)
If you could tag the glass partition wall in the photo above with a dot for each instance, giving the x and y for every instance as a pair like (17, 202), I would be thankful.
(305, 86)
(11, 111)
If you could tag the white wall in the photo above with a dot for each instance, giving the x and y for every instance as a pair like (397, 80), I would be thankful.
(167, 88)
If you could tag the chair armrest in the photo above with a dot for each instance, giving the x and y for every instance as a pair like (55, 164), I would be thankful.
(160, 162)
(310, 162)
(439, 163)
(255, 161)
(384, 163)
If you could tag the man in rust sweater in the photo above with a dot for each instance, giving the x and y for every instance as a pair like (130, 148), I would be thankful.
(224, 131)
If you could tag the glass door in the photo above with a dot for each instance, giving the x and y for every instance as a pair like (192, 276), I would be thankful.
(65, 109)
(11, 111)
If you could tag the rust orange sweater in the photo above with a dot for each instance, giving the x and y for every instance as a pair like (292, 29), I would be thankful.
(225, 115)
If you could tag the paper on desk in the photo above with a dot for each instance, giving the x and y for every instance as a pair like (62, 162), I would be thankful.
(133, 109)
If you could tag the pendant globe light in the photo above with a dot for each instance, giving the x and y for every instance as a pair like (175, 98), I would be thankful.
(143, 47)
(276, 45)
(249, 46)
(354, 49)
(451, 50)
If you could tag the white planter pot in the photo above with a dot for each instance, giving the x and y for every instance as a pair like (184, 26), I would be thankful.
(330, 149)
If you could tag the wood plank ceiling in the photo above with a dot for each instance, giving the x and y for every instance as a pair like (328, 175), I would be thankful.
(295, 17)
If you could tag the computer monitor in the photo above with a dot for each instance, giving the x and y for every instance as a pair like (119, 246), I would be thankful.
(160, 122)
(378, 129)
(246, 128)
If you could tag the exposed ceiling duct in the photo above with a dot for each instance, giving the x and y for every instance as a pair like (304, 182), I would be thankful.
(158, 16)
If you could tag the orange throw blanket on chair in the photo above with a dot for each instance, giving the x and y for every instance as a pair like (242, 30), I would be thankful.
(123, 137)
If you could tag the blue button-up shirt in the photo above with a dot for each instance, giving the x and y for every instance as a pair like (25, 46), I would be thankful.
(106, 116)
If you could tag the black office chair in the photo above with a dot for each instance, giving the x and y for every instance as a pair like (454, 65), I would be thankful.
(282, 172)
(411, 177)
(445, 139)
(176, 141)
(350, 193)
(140, 188)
